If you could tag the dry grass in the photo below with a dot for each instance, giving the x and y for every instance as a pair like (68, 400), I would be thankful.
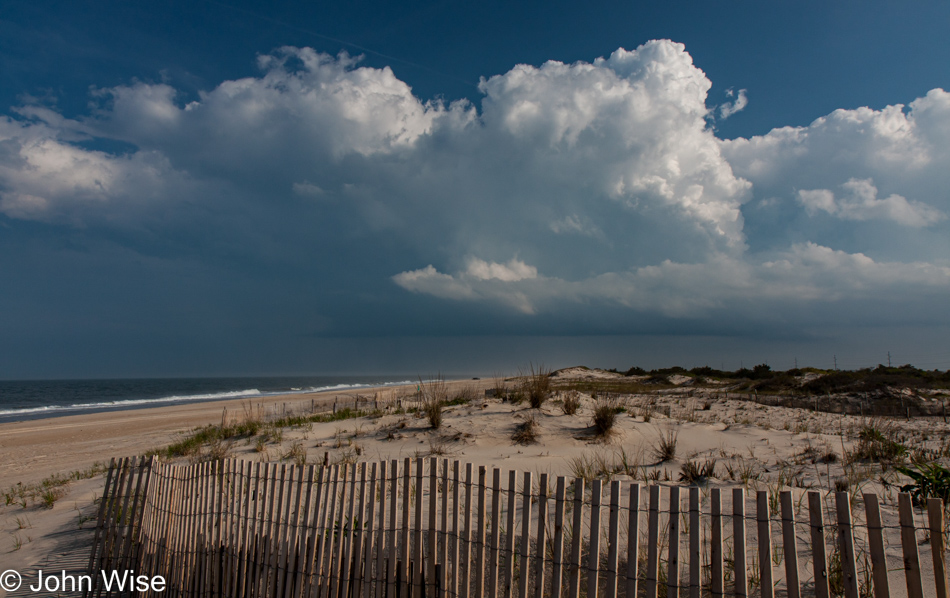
(433, 395)
(571, 403)
(526, 432)
(605, 415)
(536, 385)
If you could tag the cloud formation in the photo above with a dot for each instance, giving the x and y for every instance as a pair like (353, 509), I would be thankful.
(571, 186)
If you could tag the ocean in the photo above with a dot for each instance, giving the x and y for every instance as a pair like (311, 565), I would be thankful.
(38, 399)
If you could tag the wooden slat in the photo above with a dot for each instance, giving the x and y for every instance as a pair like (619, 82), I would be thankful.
(359, 529)
(673, 560)
(525, 556)
(695, 543)
(819, 558)
(849, 570)
(369, 576)
(443, 531)
(392, 539)
(272, 555)
(495, 531)
(763, 519)
(909, 545)
(467, 577)
(405, 528)
(739, 543)
(480, 536)
(308, 534)
(790, 545)
(432, 549)
(653, 545)
(330, 534)
(633, 540)
(541, 537)
(418, 571)
(613, 539)
(382, 540)
(715, 538)
(593, 551)
(574, 565)
(346, 564)
(937, 547)
(557, 558)
(507, 579)
(876, 545)
(453, 587)
(278, 554)
(297, 532)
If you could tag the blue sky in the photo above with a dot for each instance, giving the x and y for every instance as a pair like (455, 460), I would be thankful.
(207, 188)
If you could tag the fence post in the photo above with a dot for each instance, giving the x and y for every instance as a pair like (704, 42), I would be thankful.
(790, 545)
(444, 533)
(937, 531)
(876, 545)
(382, 576)
(469, 561)
(633, 540)
(715, 532)
(909, 545)
(453, 588)
(738, 540)
(613, 533)
(846, 545)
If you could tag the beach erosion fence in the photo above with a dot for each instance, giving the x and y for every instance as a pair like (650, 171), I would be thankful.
(435, 528)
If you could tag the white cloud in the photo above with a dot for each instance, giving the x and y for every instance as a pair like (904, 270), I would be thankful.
(861, 203)
(729, 108)
(603, 177)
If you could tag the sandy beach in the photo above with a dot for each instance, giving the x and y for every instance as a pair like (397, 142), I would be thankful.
(742, 441)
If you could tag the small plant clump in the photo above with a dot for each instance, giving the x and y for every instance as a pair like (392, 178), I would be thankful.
(571, 403)
(605, 415)
(526, 432)
(930, 480)
(665, 447)
(692, 472)
(434, 396)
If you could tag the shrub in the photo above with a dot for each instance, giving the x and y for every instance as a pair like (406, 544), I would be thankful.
(931, 480)
(605, 415)
(572, 401)
(875, 444)
(692, 472)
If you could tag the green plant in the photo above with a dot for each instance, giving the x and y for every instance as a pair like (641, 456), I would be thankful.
(930, 480)
(692, 472)
(664, 449)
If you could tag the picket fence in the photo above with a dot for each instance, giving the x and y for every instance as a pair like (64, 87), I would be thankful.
(442, 529)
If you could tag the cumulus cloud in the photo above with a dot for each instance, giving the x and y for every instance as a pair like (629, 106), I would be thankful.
(861, 203)
(604, 178)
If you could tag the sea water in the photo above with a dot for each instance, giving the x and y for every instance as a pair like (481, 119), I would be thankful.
(36, 399)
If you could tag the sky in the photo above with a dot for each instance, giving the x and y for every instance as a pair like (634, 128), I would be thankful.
(210, 188)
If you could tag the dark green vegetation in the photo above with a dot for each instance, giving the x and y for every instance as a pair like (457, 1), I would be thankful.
(870, 391)
(929, 480)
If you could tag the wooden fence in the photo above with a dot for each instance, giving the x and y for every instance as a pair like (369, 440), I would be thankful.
(445, 529)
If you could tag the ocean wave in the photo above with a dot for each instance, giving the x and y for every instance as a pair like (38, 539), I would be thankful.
(121, 404)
